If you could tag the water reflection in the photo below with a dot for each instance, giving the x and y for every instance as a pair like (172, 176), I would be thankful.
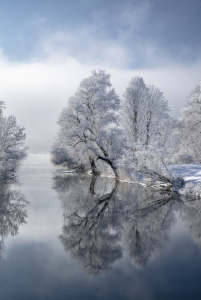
(192, 215)
(103, 218)
(148, 229)
(12, 212)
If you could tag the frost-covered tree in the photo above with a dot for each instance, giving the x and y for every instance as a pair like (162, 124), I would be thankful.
(12, 138)
(146, 115)
(190, 126)
(149, 129)
(136, 136)
(89, 125)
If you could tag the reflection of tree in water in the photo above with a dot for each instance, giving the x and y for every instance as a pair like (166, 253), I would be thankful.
(148, 230)
(86, 233)
(101, 218)
(12, 212)
(192, 215)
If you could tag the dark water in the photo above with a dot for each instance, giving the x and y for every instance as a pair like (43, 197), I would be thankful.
(87, 238)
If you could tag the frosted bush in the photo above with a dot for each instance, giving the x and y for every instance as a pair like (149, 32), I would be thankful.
(192, 190)
(182, 158)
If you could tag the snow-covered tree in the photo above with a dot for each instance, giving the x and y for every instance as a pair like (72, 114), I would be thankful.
(89, 125)
(12, 138)
(149, 129)
(146, 115)
(190, 126)
(138, 135)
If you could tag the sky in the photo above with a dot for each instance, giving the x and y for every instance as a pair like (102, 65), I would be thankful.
(47, 47)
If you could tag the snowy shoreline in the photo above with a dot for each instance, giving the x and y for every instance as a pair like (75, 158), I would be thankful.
(189, 172)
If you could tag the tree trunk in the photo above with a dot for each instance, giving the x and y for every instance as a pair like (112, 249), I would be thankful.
(105, 197)
(148, 129)
(112, 165)
(92, 184)
(93, 166)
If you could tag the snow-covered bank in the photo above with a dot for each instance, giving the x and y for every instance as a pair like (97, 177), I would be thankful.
(190, 173)
(191, 189)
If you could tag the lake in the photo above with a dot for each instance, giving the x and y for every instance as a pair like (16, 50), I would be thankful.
(74, 236)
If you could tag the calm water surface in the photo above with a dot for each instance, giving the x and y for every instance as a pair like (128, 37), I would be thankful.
(88, 238)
